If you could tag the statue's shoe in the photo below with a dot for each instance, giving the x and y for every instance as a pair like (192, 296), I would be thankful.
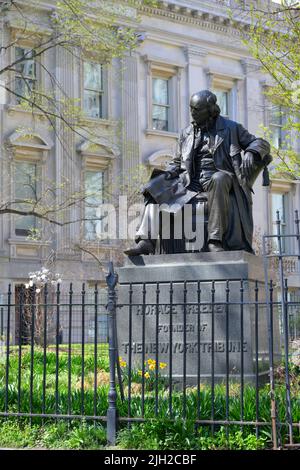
(215, 246)
(144, 247)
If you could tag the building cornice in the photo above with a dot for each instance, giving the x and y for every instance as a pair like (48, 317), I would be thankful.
(218, 21)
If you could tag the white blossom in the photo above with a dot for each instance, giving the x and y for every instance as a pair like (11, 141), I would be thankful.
(42, 277)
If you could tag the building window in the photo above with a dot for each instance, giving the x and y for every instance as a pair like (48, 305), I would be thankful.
(279, 204)
(164, 97)
(276, 123)
(94, 198)
(93, 93)
(294, 314)
(25, 196)
(222, 101)
(26, 76)
(160, 104)
(225, 88)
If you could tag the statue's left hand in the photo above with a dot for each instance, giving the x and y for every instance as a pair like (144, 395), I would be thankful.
(247, 164)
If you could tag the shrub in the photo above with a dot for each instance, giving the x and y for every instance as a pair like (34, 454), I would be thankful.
(178, 435)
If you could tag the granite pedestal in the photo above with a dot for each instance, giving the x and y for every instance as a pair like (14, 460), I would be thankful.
(160, 296)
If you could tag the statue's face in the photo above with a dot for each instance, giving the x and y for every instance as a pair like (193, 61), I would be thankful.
(199, 111)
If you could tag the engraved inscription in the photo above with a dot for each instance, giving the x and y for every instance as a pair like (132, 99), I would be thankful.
(178, 309)
(191, 348)
(152, 309)
(179, 328)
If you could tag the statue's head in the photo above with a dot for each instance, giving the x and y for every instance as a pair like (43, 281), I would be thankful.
(204, 107)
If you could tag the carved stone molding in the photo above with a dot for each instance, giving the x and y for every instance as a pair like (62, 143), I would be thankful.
(194, 52)
(209, 78)
(22, 248)
(250, 65)
(161, 63)
(28, 145)
(216, 20)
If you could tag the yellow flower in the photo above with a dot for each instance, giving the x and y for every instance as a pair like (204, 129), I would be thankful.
(152, 366)
(122, 362)
(147, 375)
(162, 365)
(151, 361)
(140, 373)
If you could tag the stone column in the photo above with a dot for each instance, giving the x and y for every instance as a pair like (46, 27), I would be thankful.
(65, 164)
(234, 99)
(196, 73)
(3, 165)
(209, 79)
(130, 117)
(252, 93)
(180, 121)
(266, 216)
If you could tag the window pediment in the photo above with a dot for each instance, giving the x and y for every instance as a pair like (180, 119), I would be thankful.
(101, 148)
(27, 139)
(99, 153)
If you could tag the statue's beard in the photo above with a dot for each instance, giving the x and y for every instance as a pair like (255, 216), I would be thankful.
(207, 123)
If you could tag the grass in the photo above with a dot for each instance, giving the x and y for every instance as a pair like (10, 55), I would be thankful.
(67, 386)
(22, 434)
(158, 435)
(167, 435)
(158, 432)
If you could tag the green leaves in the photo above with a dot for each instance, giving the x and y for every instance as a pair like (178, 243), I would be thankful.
(168, 435)
(274, 41)
(96, 29)
(19, 434)
(159, 432)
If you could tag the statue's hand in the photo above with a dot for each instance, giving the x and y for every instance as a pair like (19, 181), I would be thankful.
(247, 164)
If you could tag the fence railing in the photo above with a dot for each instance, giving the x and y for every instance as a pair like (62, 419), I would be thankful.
(51, 353)
(281, 256)
(214, 371)
(227, 353)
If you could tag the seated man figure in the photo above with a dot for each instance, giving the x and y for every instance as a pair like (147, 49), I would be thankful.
(209, 159)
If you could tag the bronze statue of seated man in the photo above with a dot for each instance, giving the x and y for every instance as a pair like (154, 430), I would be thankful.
(216, 156)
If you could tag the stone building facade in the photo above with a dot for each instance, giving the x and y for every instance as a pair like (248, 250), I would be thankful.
(134, 107)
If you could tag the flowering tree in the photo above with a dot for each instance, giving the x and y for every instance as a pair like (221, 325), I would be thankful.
(36, 308)
(273, 37)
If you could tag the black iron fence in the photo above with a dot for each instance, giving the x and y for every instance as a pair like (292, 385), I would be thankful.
(213, 369)
(218, 353)
(52, 346)
(277, 249)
